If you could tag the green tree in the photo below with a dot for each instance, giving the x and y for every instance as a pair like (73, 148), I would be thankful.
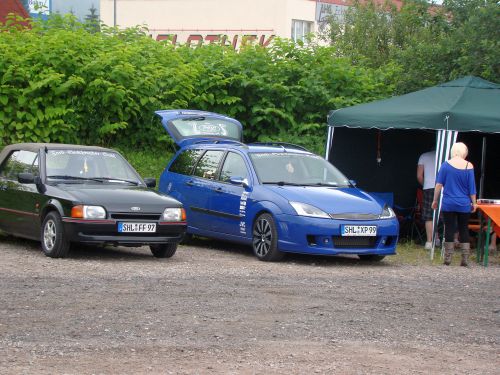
(427, 44)
(474, 37)
(92, 20)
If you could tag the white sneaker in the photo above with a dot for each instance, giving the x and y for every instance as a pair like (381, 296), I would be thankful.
(428, 246)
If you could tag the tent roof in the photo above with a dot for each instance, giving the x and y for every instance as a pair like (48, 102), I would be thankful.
(465, 104)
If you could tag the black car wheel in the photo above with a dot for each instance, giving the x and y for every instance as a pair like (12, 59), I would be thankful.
(371, 257)
(54, 242)
(164, 250)
(265, 239)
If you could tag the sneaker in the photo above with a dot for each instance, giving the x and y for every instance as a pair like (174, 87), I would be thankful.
(428, 246)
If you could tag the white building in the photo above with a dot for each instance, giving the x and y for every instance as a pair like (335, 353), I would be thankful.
(231, 22)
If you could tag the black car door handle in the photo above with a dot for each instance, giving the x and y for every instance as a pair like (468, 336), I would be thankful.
(219, 190)
(190, 183)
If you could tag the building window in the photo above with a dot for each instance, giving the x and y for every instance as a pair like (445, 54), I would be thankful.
(300, 29)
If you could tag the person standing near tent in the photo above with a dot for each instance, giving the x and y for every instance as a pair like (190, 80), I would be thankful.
(426, 176)
(456, 179)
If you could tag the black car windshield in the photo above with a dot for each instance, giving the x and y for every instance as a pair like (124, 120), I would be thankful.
(296, 169)
(86, 165)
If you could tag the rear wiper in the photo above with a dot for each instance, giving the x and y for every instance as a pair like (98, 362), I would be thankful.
(197, 118)
(67, 177)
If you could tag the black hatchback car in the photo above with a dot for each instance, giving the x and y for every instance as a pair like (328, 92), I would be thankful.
(59, 194)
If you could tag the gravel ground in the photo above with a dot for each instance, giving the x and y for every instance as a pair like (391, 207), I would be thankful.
(213, 308)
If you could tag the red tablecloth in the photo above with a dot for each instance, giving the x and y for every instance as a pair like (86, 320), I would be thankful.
(493, 212)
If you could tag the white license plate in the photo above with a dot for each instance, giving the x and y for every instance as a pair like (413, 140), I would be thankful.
(136, 227)
(358, 230)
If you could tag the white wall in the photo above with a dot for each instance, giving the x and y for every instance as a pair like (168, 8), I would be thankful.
(262, 18)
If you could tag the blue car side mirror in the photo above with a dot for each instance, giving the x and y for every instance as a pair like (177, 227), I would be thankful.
(236, 180)
(353, 182)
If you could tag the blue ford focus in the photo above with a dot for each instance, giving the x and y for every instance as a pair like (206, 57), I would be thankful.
(276, 197)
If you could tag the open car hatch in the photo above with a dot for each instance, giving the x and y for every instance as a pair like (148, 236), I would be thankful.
(192, 126)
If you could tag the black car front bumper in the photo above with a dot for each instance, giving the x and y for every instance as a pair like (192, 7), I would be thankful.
(106, 232)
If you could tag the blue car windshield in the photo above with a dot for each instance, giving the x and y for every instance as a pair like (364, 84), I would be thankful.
(80, 165)
(296, 169)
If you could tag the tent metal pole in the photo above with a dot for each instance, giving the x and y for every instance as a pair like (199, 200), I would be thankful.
(329, 141)
(479, 247)
(444, 140)
(483, 168)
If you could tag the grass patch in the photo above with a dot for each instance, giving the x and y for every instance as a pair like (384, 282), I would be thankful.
(410, 253)
(148, 163)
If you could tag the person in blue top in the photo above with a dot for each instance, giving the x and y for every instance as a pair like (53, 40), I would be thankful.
(456, 179)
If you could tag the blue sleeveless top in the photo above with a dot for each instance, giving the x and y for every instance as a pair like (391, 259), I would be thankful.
(458, 186)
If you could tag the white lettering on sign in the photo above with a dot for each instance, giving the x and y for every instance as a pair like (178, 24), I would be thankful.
(243, 208)
(83, 152)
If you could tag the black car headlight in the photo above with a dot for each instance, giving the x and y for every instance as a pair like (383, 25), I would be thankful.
(173, 214)
(88, 212)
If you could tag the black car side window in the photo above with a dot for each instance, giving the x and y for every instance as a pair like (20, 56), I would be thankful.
(185, 162)
(207, 166)
(20, 162)
(234, 166)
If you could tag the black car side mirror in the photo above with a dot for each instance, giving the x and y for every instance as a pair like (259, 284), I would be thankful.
(26, 178)
(150, 182)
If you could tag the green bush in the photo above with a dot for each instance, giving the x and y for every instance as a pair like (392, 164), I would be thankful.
(61, 81)
(148, 163)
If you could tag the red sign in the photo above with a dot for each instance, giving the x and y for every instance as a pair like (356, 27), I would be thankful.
(197, 40)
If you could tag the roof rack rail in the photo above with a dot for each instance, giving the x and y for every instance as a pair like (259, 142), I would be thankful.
(282, 144)
(216, 141)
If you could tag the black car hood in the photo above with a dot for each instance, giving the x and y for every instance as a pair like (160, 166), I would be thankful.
(116, 198)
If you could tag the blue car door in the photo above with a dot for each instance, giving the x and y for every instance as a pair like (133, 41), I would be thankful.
(229, 200)
(198, 189)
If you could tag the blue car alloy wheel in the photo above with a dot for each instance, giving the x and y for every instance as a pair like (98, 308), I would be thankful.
(265, 239)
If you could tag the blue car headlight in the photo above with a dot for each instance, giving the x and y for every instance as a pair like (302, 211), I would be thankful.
(304, 209)
(387, 213)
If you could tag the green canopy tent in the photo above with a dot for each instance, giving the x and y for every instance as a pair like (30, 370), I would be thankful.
(465, 105)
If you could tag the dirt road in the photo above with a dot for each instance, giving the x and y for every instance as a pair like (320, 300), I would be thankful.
(219, 310)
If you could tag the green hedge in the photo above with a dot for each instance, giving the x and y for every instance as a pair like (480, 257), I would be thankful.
(61, 81)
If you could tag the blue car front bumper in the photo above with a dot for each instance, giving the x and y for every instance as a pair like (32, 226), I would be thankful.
(302, 234)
